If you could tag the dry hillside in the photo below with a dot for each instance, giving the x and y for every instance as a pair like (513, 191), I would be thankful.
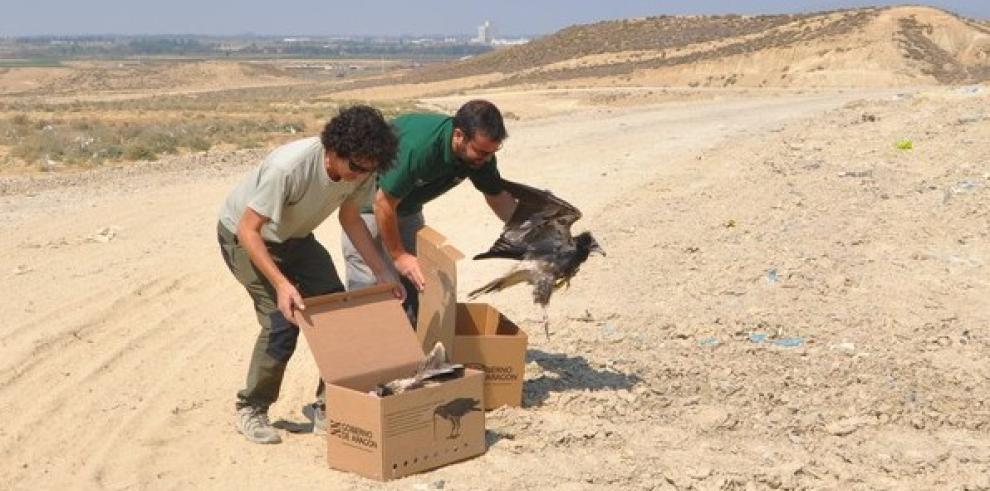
(872, 47)
(108, 78)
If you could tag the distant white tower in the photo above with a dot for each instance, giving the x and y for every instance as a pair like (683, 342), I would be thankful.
(484, 33)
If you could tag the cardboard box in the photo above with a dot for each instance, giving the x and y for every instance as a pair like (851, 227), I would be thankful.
(361, 339)
(479, 335)
(486, 340)
(437, 316)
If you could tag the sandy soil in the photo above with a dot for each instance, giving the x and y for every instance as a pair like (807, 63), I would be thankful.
(789, 301)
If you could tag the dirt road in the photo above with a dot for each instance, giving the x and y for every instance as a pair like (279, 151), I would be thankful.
(124, 338)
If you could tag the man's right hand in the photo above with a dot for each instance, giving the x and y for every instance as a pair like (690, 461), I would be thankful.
(289, 300)
(408, 266)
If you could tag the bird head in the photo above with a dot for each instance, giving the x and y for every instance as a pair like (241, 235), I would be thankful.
(585, 241)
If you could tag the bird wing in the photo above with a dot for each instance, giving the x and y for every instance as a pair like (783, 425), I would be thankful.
(541, 221)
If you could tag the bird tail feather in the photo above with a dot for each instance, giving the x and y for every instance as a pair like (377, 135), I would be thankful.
(499, 284)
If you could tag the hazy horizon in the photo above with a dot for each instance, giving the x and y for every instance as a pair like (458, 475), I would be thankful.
(429, 17)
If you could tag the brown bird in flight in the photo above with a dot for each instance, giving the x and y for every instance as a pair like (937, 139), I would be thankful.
(539, 236)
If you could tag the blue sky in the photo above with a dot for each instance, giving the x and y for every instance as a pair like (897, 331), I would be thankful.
(355, 17)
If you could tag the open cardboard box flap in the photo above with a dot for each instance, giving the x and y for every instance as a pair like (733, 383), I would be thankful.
(360, 332)
(476, 335)
(438, 260)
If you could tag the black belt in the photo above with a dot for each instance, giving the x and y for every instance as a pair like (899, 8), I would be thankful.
(288, 244)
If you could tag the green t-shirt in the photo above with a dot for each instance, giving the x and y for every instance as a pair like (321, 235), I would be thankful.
(426, 166)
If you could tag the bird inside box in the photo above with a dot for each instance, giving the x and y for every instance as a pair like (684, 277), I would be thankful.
(435, 368)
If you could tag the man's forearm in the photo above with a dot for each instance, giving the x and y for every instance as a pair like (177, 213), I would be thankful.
(388, 226)
(503, 204)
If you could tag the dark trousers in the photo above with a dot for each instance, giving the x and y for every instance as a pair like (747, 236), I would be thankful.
(307, 264)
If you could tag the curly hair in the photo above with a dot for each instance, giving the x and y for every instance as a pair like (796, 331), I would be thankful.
(361, 132)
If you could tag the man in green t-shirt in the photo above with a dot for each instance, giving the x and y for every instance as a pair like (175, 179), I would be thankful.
(436, 153)
(266, 238)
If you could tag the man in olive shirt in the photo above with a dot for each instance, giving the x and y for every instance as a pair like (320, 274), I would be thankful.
(436, 153)
(266, 239)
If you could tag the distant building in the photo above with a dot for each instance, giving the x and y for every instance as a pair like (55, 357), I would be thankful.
(486, 36)
(485, 33)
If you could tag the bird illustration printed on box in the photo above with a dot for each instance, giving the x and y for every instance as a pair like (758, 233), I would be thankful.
(453, 411)
(539, 236)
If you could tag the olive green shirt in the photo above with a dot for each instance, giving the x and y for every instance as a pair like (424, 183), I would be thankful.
(426, 166)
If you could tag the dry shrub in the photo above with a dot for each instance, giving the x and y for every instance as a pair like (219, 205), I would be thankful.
(92, 142)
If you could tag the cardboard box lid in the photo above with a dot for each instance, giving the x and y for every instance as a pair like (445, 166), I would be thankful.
(356, 332)
(438, 261)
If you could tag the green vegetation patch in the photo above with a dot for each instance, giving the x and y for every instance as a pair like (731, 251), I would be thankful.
(89, 133)
(31, 62)
(92, 142)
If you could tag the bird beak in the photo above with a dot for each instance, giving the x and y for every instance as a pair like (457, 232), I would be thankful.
(599, 250)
